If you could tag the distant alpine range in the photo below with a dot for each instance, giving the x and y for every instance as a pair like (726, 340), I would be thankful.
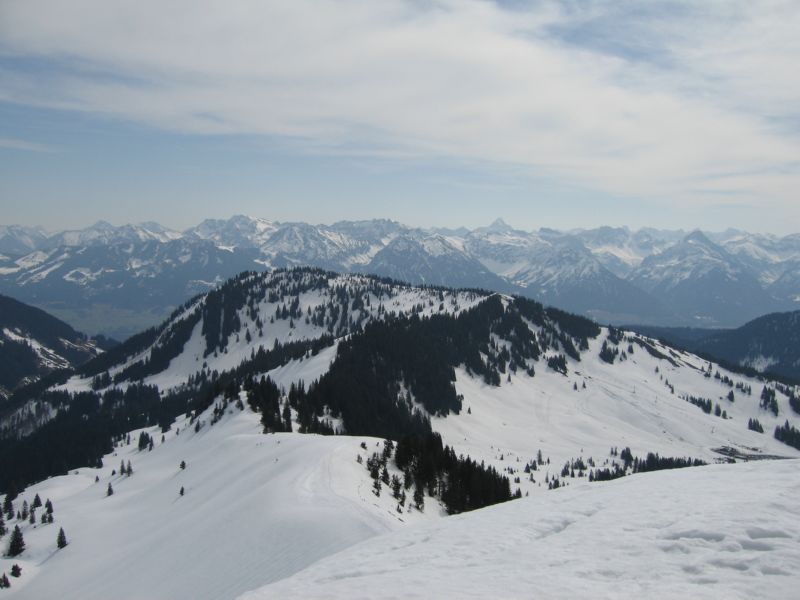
(118, 280)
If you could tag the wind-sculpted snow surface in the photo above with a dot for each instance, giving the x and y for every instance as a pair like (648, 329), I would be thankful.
(722, 531)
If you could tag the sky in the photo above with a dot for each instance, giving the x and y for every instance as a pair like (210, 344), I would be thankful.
(431, 112)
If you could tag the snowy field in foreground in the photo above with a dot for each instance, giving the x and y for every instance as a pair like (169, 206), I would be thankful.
(256, 508)
(722, 531)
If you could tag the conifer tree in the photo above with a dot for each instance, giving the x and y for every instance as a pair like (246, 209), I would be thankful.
(419, 498)
(61, 542)
(2, 526)
(16, 544)
(37, 502)
(4, 582)
(16, 570)
(182, 491)
(110, 490)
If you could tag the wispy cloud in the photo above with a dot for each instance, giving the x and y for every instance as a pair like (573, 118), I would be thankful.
(668, 102)
(13, 144)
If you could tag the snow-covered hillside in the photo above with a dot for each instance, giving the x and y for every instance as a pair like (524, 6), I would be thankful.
(33, 343)
(256, 508)
(637, 400)
(542, 397)
(722, 531)
(278, 307)
(637, 403)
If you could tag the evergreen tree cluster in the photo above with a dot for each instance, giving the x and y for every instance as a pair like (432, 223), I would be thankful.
(557, 362)
(460, 483)
(794, 402)
(83, 431)
(18, 358)
(769, 400)
(707, 406)
(755, 425)
(264, 397)
(787, 434)
(16, 541)
(608, 353)
(633, 464)
(654, 462)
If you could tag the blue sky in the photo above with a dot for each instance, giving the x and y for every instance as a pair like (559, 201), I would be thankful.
(555, 114)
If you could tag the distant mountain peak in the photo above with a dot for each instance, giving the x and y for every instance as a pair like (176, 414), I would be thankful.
(103, 226)
(698, 237)
(500, 226)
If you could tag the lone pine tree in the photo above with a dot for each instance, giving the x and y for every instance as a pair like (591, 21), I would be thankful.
(16, 544)
(61, 542)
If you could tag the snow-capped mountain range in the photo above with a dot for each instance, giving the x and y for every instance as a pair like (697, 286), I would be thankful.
(214, 508)
(132, 276)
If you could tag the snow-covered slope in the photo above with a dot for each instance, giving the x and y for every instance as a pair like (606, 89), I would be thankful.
(637, 403)
(33, 343)
(545, 398)
(261, 310)
(722, 531)
(256, 508)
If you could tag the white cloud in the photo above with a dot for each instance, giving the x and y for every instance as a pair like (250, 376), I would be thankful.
(701, 108)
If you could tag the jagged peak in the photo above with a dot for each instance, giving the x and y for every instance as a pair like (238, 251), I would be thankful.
(698, 237)
(499, 225)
